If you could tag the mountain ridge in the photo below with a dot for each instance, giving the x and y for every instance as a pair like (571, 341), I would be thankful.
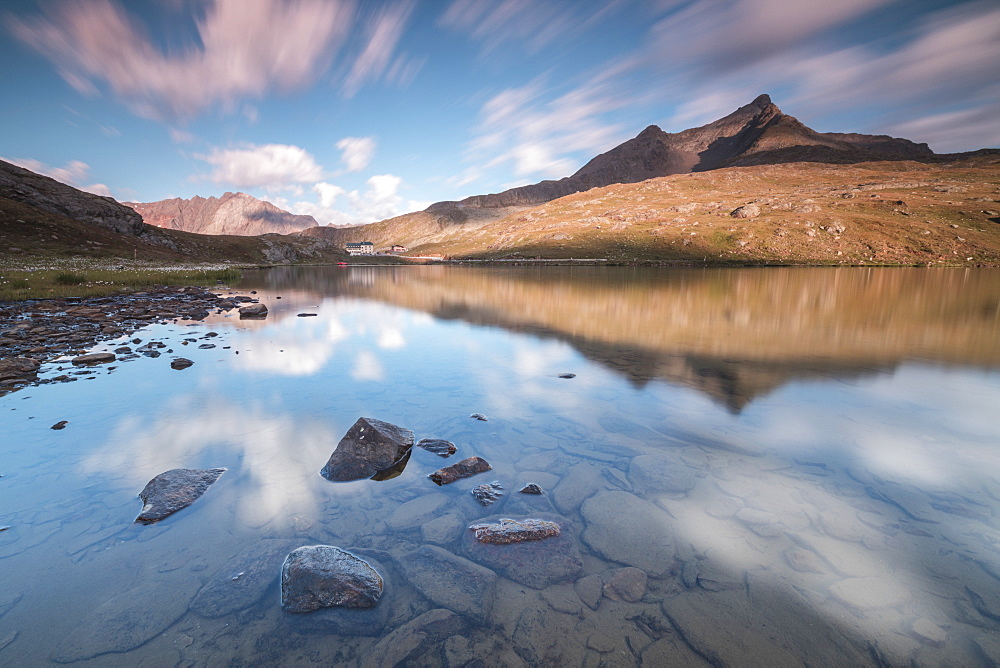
(234, 213)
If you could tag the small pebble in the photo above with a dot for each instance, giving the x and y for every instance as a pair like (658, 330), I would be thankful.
(60, 425)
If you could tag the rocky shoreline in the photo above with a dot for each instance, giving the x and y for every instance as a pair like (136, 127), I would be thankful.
(37, 331)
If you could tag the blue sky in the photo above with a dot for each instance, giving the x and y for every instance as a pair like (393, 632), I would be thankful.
(357, 111)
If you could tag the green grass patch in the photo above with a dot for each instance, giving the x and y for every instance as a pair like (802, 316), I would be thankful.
(47, 284)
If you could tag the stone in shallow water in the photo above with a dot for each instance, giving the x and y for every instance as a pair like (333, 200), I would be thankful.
(624, 528)
(536, 563)
(94, 358)
(661, 473)
(368, 447)
(438, 446)
(173, 490)
(254, 311)
(488, 493)
(479, 416)
(16, 367)
(463, 469)
(122, 624)
(181, 363)
(60, 425)
(626, 584)
(324, 576)
(450, 581)
(243, 580)
(530, 488)
(422, 633)
(869, 593)
(506, 530)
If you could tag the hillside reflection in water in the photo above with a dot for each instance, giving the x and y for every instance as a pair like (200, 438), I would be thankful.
(810, 457)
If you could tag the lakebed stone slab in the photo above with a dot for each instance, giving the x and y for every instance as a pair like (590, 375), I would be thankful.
(415, 637)
(369, 447)
(622, 527)
(450, 581)
(173, 490)
(325, 576)
(661, 473)
(243, 580)
(94, 358)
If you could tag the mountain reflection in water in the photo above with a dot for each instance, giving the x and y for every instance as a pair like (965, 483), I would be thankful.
(733, 334)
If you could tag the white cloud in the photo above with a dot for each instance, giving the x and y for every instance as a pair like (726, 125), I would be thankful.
(337, 206)
(367, 367)
(180, 136)
(243, 50)
(384, 32)
(271, 166)
(357, 152)
(73, 173)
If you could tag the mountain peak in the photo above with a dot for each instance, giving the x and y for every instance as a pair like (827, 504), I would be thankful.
(762, 101)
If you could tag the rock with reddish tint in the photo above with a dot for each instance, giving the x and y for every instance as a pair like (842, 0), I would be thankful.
(324, 576)
(438, 446)
(505, 530)
(626, 584)
(458, 470)
(94, 358)
(488, 493)
(18, 367)
(535, 563)
(173, 490)
(254, 311)
(369, 447)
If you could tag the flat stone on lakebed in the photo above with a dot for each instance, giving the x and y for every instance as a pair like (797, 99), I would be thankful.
(173, 490)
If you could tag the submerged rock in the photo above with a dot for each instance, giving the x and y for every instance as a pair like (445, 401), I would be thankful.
(422, 633)
(17, 367)
(94, 358)
(243, 580)
(254, 311)
(438, 446)
(463, 469)
(488, 493)
(173, 490)
(450, 581)
(624, 528)
(324, 576)
(506, 530)
(550, 557)
(369, 447)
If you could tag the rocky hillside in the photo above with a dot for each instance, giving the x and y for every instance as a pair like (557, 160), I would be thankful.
(233, 213)
(755, 134)
(890, 212)
(42, 219)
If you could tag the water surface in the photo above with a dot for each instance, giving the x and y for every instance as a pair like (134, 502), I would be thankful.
(805, 463)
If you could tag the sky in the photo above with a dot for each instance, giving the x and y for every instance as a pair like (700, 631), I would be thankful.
(355, 111)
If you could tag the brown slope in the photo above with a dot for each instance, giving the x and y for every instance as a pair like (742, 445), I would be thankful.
(233, 213)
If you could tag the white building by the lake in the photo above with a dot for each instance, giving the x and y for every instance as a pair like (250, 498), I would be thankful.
(360, 248)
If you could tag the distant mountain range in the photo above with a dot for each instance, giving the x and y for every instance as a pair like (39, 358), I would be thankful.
(233, 213)
(755, 134)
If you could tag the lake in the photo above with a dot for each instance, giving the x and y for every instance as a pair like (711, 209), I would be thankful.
(748, 467)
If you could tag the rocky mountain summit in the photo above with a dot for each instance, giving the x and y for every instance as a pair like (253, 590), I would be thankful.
(233, 213)
(758, 133)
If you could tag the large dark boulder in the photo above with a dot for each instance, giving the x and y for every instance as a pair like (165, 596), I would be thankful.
(369, 447)
(18, 367)
(324, 576)
(172, 490)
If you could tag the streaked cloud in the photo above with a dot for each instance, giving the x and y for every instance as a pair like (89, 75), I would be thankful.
(533, 24)
(383, 33)
(356, 152)
(339, 206)
(244, 49)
